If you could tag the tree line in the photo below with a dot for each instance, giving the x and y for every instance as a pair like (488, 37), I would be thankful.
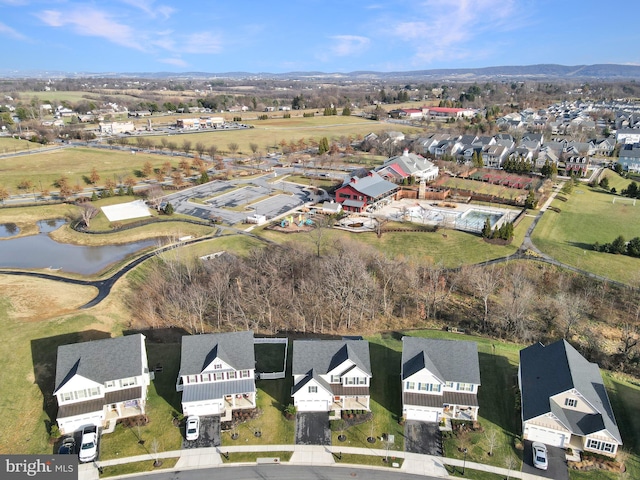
(347, 287)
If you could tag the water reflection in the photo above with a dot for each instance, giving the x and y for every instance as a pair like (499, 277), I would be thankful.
(9, 230)
(40, 251)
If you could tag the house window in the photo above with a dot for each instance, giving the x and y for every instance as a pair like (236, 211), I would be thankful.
(570, 402)
(130, 382)
(449, 384)
(66, 397)
(231, 375)
(218, 376)
(313, 389)
(362, 381)
(244, 374)
(465, 387)
(109, 384)
(335, 378)
(94, 392)
(349, 381)
(411, 385)
(601, 446)
(205, 377)
(429, 387)
(217, 366)
(192, 379)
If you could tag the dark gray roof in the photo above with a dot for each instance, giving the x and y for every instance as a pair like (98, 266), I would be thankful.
(97, 404)
(100, 360)
(449, 360)
(322, 356)
(630, 151)
(372, 185)
(234, 348)
(213, 390)
(447, 398)
(311, 374)
(556, 368)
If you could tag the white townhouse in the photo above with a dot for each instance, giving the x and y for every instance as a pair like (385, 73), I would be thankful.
(440, 379)
(331, 375)
(100, 382)
(217, 373)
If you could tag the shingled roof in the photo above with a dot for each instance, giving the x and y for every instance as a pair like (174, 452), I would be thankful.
(100, 360)
(556, 368)
(448, 360)
(322, 356)
(233, 348)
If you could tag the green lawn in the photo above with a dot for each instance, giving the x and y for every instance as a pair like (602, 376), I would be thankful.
(373, 460)
(137, 467)
(588, 216)
(12, 145)
(250, 457)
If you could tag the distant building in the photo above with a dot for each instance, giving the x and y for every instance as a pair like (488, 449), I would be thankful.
(114, 128)
(451, 112)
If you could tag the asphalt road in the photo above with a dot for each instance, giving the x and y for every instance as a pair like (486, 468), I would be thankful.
(284, 472)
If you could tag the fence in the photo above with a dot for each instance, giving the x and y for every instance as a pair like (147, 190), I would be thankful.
(274, 375)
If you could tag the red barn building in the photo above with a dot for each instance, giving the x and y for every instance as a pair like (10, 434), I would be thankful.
(360, 193)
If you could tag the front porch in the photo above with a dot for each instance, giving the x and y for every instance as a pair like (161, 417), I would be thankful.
(236, 402)
(350, 403)
(460, 412)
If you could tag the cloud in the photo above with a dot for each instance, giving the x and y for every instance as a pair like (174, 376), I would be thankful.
(7, 31)
(349, 45)
(149, 7)
(178, 62)
(203, 42)
(448, 29)
(92, 22)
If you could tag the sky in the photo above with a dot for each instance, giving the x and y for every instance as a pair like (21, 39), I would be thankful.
(277, 36)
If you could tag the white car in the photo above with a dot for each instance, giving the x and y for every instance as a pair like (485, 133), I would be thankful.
(192, 428)
(540, 455)
(88, 445)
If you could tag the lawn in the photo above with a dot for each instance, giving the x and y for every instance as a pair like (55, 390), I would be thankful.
(589, 216)
(451, 247)
(137, 467)
(270, 357)
(267, 134)
(12, 145)
(27, 217)
(44, 168)
(305, 180)
(373, 460)
(483, 187)
(251, 457)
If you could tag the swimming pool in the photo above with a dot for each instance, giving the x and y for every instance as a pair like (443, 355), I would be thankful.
(475, 219)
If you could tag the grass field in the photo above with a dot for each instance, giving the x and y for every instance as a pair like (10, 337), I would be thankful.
(484, 187)
(588, 216)
(267, 134)
(76, 163)
(12, 145)
(137, 467)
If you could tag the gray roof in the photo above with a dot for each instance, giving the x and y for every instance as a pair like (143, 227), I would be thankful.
(630, 151)
(556, 368)
(311, 374)
(372, 185)
(449, 360)
(234, 348)
(322, 356)
(409, 163)
(211, 390)
(100, 360)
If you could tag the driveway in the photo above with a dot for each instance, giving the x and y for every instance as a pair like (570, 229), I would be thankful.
(312, 428)
(557, 468)
(209, 433)
(422, 437)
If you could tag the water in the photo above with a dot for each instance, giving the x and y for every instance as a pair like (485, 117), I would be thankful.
(9, 230)
(41, 251)
(474, 219)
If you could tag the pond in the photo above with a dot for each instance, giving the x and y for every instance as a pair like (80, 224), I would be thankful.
(9, 230)
(41, 251)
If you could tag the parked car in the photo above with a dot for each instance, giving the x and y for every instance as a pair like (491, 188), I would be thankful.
(68, 446)
(193, 428)
(89, 444)
(540, 455)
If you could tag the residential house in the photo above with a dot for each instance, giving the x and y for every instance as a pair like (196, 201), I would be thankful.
(629, 157)
(628, 135)
(100, 382)
(493, 156)
(331, 375)
(451, 112)
(217, 373)
(605, 147)
(408, 165)
(360, 194)
(577, 166)
(546, 154)
(440, 379)
(564, 400)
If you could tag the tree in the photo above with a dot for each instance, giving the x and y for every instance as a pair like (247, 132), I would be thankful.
(346, 111)
(254, 147)
(323, 146)
(531, 201)
(168, 209)
(200, 148)
(172, 146)
(619, 246)
(186, 146)
(88, 212)
(204, 178)
(604, 183)
(484, 281)
(486, 229)
(492, 440)
(233, 147)
(185, 166)
(94, 177)
(213, 150)
(4, 194)
(147, 169)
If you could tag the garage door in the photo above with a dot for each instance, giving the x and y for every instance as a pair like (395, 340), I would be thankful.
(313, 406)
(548, 437)
(201, 409)
(75, 424)
(423, 415)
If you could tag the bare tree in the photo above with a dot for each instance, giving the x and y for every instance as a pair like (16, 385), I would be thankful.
(571, 308)
(484, 282)
(200, 148)
(186, 146)
(88, 212)
(492, 440)
(213, 151)
(233, 147)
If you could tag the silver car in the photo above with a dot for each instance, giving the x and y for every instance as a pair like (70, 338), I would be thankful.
(540, 455)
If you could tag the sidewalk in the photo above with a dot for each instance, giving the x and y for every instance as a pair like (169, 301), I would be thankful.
(200, 458)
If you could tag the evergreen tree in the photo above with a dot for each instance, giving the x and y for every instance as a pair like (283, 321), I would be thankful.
(530, 202)
(168, 210)
(323, 146)
(486, 229)
(346, 111)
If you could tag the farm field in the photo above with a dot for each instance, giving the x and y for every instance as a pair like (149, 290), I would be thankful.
(589, 216)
